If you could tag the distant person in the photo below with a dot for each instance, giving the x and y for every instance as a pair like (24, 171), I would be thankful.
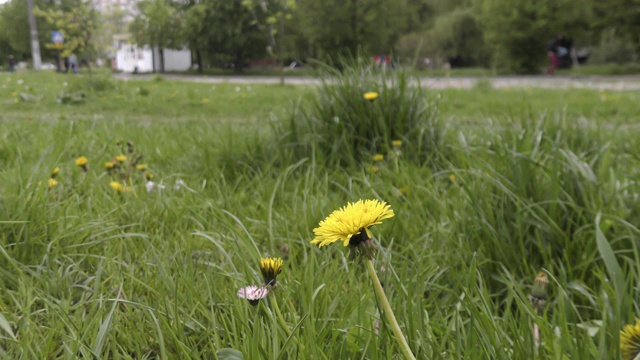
(73, 62)
(12, 63)
(66, 64)
(555, 50)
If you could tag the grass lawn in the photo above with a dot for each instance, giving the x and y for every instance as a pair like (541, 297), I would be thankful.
(523, 181)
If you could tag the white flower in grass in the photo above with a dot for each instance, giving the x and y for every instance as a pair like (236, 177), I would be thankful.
(253, 294)
(179, 184)
(151, 186)
(20, 81)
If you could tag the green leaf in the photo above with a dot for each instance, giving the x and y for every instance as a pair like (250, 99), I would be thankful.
(4, 324)
(229, 354)
(610, 261)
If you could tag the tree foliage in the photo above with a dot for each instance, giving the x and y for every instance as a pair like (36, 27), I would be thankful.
(225, 30)
(232, 33)
(14, 27)
(78, 26)
(519, 30)
(159, 25)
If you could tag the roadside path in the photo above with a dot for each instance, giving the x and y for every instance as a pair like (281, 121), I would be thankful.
(621, 83)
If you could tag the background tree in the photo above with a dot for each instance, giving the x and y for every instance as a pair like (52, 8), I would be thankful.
(335, 27)
(269, 16)
(158, 25)
(457, 37)
(519, 30)
(225, 31)
(14, 28)
(621, 18)
(78, 24)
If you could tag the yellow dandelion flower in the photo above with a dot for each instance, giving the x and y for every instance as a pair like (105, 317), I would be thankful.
(542, 279)
(121, 158)
(373, 169)
(109, 165)
(270, 268)
(117, 186)
(148, 175)
(371, 95)
(630, 341)
(142, 167)
(452, 177)
(52, 183)
(538, 296)
(396, 143)
(351, 220)
(378, 157)
(82, 161)
(55, 172)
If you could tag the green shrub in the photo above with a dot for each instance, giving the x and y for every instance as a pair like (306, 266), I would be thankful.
(458, 36)
(343, 127)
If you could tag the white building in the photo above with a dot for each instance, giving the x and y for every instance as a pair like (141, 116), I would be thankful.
(130, 58)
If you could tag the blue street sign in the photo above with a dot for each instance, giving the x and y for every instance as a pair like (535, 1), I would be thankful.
(57, 37)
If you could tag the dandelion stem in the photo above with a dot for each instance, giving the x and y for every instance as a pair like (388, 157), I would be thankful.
(386, 307)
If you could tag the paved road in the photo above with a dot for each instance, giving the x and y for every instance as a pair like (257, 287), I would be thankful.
(548, 82)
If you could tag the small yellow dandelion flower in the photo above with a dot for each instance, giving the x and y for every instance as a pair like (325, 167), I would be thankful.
(538, 296)
(378, 157)
(542, 279)
(396, 143)
(351, 220)
(55, 172)
(121, 158)
(109, 165)
(452, 177)
(270, 268)
(373, 169)
(630, 341)
(148, 175)
(52, 183)
(142, 167)
(117, 186)
(81, 161)
(371, 95)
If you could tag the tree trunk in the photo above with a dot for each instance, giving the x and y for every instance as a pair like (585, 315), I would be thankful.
(280, 45)
(153, 59)
(238, 62)
(354, 27)
(199, 60)
(161, 60)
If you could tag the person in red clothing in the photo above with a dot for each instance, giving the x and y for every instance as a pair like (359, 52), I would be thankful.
(553, 51)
